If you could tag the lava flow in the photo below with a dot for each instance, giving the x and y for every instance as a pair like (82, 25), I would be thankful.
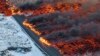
(69, 28)
(50, 8)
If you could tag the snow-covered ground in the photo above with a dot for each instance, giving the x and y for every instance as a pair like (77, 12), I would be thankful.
(13, 41)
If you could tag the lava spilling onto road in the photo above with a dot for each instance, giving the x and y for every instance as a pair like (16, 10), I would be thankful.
(69, 27)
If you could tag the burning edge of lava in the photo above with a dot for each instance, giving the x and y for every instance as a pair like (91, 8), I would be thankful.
(25, 23)
(42, 39)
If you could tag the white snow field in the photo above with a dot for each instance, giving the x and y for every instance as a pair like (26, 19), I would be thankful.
(13, 41)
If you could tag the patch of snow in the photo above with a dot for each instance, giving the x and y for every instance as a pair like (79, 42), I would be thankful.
(13, 41)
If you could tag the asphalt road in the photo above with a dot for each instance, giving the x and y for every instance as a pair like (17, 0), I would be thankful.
(49, 51)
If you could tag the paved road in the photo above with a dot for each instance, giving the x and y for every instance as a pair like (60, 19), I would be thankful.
(49, 51)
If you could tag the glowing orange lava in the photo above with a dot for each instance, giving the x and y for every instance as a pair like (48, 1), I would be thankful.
(90, 43)
(25, 23)
(44, 41)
